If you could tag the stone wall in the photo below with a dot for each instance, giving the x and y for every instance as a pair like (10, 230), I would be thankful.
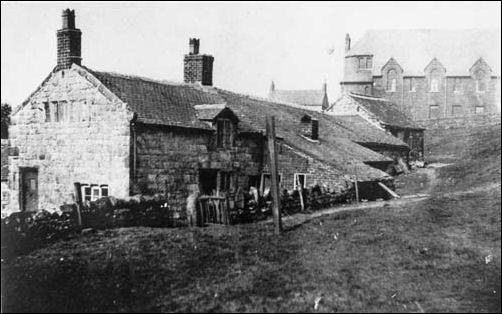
(466, 121)
(292, 161)
(169, 160)
(456, 96)
(90, 143)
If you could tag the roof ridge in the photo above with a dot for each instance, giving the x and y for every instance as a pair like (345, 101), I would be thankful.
(368, 97)
(272, 101)
(139, 77)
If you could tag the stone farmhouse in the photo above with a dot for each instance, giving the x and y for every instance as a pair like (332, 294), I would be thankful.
(312, 99)
(98, 133)
(384, 115)
(428, 74)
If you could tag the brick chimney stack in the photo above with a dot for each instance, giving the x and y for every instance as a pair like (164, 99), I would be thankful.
(69, 41)
(198, 68)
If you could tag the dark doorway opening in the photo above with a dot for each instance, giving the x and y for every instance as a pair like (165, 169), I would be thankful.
(28, 188)
(207, 181)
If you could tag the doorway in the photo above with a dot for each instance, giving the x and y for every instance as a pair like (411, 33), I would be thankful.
(208, 181)
(28, 186)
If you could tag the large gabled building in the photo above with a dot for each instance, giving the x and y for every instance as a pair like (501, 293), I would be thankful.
(428, 74)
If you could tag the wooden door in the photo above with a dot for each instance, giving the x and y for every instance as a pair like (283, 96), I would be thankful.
(29, 189)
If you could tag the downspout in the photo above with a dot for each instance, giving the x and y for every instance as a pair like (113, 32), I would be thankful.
(133, 153)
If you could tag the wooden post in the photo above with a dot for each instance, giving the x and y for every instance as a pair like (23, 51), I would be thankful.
(300, 192)
(355, 184)
(78, 202)
(274, 188)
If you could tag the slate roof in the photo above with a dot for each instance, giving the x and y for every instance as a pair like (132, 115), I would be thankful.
(310, 97)
(457, 50)
(359, 130)
(183, 105)
(385, 110)
(333, 147)
(5, 160)
(157, 102)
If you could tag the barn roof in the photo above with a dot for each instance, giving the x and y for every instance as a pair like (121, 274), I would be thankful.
(384, 110)
(157, 102)
(457, 50)
(361, 131)
(184, 105)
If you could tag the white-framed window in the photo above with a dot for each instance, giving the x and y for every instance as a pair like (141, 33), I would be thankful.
(300, 180)
(479, 109)
(92, 192)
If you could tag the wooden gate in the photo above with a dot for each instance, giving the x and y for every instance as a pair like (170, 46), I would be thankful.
(212, 210)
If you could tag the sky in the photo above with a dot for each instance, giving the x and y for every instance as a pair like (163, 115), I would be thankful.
(298, 45)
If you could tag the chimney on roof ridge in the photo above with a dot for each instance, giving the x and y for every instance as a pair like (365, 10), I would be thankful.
(193, 46)
(197, 68)
(324, 88)
(69, 41)
(272, 88)
(347, 43)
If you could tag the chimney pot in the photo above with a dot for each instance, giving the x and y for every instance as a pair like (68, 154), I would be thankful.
(69, 42)
(68, 19)
(193, 46)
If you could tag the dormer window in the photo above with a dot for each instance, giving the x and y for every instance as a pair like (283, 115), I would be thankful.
(224, 133)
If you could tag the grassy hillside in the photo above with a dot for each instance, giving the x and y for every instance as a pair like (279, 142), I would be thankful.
(475, 154)
(428, 256)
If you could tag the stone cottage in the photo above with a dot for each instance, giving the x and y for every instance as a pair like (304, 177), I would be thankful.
(427, 73)
(383, 114)
(96, 133)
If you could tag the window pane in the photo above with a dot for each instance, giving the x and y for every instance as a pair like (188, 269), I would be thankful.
(369, 63)
(47, 108)
(480, 109)
(104, 190)
(55, 105)
(95, 193)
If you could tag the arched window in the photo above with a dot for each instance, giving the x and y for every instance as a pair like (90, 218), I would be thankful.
(391, 80)
(435, 80)
(480, 80)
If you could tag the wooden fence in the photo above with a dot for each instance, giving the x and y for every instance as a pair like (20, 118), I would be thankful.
(212, 210)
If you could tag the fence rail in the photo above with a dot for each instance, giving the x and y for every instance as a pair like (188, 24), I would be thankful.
(212, 209)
